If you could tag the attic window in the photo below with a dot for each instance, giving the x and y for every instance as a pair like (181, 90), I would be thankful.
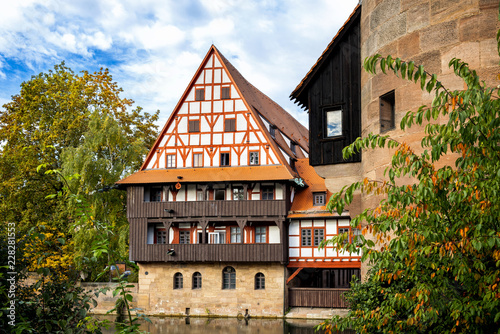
(194, 126)
(230, 125)
(225, 93)
(292, 147)
(319, 199)
(333, 122)
(200, 94)
(387, 111)
(224, 159)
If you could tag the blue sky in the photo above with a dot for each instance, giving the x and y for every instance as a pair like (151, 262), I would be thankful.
(153, 47)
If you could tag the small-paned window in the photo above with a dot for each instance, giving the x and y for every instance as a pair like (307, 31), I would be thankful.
(219, 194)
(333, 121)
(155, 194)
(225, 93)
(184, 236)
(387, 111)
(228, 278)
(200, 94)
(194, 126)
(196, 280)
(306, 237)
(254, 158)
(343, 230)
(356, 235)
(230, 125)
(260, 281)
(235, 235)
(319, 199)
(217, 237)
(171, 161)
(267, 192)
(238, 194)
(160, 235)
(319, 235)
(178, 281)
(224, 159)
(198, 160)
(260, 235)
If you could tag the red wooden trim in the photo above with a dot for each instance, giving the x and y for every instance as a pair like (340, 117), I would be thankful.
(336, 264)
(295, 273)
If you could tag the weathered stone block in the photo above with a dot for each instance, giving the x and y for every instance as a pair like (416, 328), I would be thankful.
(418, 16)
(409, 46)
(384, 12)
(439, 36)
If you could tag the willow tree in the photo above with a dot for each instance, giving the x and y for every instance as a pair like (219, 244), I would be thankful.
(435, 265)
(77, 123)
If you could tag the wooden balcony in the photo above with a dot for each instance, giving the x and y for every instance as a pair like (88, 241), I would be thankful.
(210, 253)
(317, 297)
(206, 209)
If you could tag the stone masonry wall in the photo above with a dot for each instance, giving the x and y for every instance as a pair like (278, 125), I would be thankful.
(431, 33)
(211, 299)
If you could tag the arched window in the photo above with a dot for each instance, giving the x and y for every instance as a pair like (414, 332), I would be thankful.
(260, 281)
(196, 280)
(178, 283)
(229, 278)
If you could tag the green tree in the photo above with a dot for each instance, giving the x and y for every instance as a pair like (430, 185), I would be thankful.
(104, 157)
(436, 265)
(52, 113)
(76, 123)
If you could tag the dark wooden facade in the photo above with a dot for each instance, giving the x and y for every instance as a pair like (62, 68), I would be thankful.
(317, 297)
(210, 253)
(137, 208)
(241, 212)
(334, 84)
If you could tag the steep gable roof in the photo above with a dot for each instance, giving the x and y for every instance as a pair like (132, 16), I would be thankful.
(250, 107)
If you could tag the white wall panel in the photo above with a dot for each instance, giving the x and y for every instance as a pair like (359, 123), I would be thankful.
(274, 235)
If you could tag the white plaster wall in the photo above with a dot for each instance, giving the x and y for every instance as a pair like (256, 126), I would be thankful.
(343, 222)
(274, 235)
(306, 252)
(331, 226)
(279, 192)
(293, 228)
(191, 192)
(293, 252)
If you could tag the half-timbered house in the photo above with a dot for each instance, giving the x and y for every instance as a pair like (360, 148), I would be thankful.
(225, 201)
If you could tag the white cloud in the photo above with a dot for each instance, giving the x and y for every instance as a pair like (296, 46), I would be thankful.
(153, 47)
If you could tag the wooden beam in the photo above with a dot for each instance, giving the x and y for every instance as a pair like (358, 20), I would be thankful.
(295, 273)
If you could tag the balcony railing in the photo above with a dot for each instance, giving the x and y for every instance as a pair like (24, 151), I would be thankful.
(206, 209)
(210, 253)
(317, 297)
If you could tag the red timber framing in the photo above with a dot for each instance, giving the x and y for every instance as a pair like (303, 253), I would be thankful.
(215, 136)
(303, 248)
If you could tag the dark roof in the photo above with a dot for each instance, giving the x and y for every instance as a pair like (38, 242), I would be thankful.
(299, 94)
(268, 109)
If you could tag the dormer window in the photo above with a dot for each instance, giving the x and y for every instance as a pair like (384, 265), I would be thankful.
(319, 199)
(292, 147)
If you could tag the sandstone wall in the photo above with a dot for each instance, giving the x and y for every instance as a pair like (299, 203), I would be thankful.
(211, 299)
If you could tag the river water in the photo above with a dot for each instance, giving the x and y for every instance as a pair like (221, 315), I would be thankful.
(190, 325)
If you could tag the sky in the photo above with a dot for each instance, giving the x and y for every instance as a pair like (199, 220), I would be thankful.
(153, 48)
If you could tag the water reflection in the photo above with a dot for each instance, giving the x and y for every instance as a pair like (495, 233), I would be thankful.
(193, 325)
